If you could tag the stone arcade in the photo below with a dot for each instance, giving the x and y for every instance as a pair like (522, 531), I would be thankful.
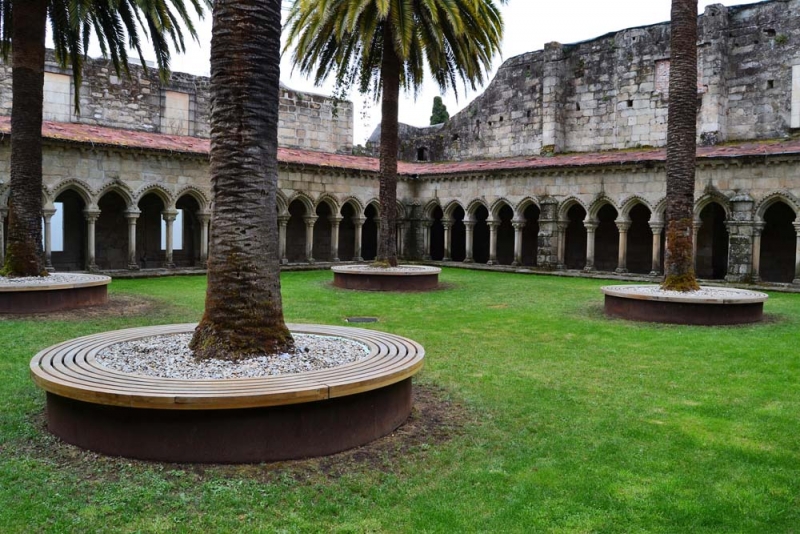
(558, 165)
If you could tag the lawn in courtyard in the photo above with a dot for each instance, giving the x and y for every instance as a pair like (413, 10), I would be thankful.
(550, 418)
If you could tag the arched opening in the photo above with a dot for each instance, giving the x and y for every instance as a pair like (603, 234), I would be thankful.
(111, 232)
(296, 232)
(505, 236)
(148, 230)
(68, 233)
(530, 235)
(778, 243)
(712, 243)
(640, 241)
(422, 154)
(575, 238)
(347, 233)
(437, 235)
(606, 239)
(458, 235)
(186, 250)
(480, 236)
(322, 233)
(369, 234)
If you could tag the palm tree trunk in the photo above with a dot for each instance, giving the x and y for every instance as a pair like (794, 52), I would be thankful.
(24, 254)
(390, 75)
(681, 147)
(244, 314)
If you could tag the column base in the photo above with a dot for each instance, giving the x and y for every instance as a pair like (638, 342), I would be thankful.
(336, 260)
(358, 258)
(515, 263)
(796, 282)
(588, 269)
(447, 259)
(92, 268)
(169, 265)
(284, 261)
(49, 268)
(561, 267)
(426, 257)
(133, 267)
(491, 262)
(620, 270)
(311, 261)
(468, 260)
(655, 273)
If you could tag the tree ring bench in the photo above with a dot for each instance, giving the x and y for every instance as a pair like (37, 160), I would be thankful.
(241, 420)
(400, 278)
(72, 290)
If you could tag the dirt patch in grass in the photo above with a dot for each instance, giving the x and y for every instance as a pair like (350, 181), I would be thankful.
(117, 306)
(435, 419)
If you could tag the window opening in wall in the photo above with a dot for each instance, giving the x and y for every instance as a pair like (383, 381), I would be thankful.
(501, 118)
(577, 108)
(56, 229)
(422, 154)
(630, 103)
(769, 32)
(490, 124)
(529, 114)
(455, 137)
(770, 84)
(177, 232)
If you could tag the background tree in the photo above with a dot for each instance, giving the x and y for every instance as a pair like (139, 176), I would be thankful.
(383, 45)
(244, 314)
(117, 25)
(681, 147)
(439, 113)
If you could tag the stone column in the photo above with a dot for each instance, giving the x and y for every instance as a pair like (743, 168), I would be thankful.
(590, 228)
(470, 232)
(335, 220)
(656, 228)
(48, 239)
(401, 240)
(169, 218)
(758, 228)
(426, 239)
(91, 216)
(359, 226)
(695, 230)
(205, 221)
(562, 245)
(3, 213)
(797, 255)
(518, 226)
(447, 226)
(622, 259)
(132, 215)
(310, 220)
(283, 220)
(740, 238)
(547, 239)
(492, 242)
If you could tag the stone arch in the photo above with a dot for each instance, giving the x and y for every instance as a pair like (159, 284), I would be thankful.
(606, 235)
(120, 188)
(499, 204)
(774, 197)
(299, 206)
(474, 205)
(597, 205)
(566, 205)
(450, 208)
(197, 194)
(375, 204)
(524, 204)
(369, 231)
(712, 197)
(355, 204)
(631, 202)
(333, 204)
(79, 186)
(430, 207)
(157, 189)
(401, 211)
(68, 227)
(304, 199)
(282, 204)
(659, 211)
(778, 240)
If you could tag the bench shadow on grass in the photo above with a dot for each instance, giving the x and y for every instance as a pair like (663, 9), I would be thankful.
(435, 419)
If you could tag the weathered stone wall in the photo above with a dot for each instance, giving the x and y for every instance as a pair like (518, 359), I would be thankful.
(306, 120)
(612, 92)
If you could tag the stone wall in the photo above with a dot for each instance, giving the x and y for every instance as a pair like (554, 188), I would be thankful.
(306, 120)
(612, 92)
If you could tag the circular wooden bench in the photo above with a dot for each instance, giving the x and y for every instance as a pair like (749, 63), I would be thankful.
(230, 420)
(75, 290)
(400, 278)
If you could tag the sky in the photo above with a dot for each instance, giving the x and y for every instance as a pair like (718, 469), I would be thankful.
(529, 24)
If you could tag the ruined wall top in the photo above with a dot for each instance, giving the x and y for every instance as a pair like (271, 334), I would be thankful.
(612, 92)
(179, 107)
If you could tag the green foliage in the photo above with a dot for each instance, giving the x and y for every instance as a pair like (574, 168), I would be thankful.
(439, 113)
(577, 423)
(346, 39)
(118, 25)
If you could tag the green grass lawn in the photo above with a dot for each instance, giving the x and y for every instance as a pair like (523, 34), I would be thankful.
(569, 423)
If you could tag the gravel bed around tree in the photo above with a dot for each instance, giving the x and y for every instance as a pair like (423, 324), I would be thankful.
(373, 269)
(53, 279)
(169, 356)
(704, 293)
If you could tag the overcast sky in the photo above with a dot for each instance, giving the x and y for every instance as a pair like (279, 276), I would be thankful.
(529, 24)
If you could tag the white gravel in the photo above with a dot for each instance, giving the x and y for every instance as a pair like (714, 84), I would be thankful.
(54, 278)
(169, 357)
(398, 269)
(704, 293)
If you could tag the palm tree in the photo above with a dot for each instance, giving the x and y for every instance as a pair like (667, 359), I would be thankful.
(384, 45)
(243, 314)
(681, 147)
(116, 25)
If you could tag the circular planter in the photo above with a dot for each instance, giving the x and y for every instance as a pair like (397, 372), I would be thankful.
(710, 306)
(400, 278)
(241, 420)
(61, 291)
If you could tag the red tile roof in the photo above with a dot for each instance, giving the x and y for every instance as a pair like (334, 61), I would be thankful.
(104, 136)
